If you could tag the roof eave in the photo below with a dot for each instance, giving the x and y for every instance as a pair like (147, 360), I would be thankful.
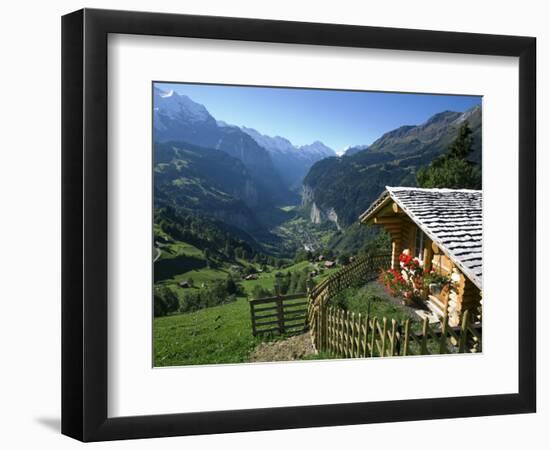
(376, 206)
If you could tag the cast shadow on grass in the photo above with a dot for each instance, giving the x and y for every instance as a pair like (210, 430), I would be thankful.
(166, 269)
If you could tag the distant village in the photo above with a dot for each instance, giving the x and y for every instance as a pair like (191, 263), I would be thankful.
(318, 264)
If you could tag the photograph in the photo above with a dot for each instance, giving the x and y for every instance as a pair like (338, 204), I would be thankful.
(298, 223)
(267, 225)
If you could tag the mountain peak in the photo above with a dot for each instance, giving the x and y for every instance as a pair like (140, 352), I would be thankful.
(178, 106)
(275, 144)
(317, 147)
(167, 94)
(473, 112)
(442, 118)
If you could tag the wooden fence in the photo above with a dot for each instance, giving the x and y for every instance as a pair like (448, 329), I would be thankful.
(352, 336)
(360, 271)
(285, 314)
(347, 335)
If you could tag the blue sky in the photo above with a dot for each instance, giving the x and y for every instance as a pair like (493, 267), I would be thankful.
(336, 118)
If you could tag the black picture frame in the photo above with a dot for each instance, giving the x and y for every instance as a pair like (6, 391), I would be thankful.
(84, 224)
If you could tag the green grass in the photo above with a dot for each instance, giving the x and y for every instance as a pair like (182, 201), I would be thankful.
(267, 279)
(180, 261)
(217, 335)
(171, 271)
(178, 258)
(373, 300)
(174, 249)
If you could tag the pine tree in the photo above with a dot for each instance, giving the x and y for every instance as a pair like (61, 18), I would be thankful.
(230, 286)
(452, 170)
(461, 147)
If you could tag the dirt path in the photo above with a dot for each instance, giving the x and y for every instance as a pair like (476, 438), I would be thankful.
(296, 347)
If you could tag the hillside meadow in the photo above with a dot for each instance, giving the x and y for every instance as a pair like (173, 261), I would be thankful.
(219, 334)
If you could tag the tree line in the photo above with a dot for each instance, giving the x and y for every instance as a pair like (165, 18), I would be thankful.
(453, 169)
(216, 293)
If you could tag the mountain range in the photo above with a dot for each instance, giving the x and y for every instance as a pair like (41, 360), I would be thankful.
(272, 161)
(434, 135)
(254, 184)
(291, 162)
(339, 189)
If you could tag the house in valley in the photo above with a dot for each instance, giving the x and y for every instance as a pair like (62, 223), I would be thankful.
(443, 229)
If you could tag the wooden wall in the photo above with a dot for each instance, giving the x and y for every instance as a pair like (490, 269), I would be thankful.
(463, 294)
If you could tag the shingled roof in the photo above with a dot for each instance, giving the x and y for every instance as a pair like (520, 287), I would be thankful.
(452, 218)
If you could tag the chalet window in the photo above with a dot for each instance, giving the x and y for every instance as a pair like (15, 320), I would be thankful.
(419, 244)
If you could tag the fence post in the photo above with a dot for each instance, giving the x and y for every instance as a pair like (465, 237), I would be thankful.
(252, 318)
(424, 346)
(328, 312)
(280, 315)
(384, 331)
(392, 340)
(443, 341)
(316, 322)
(359, 325)
(322, 326)
(342, 348)
(366, 338)
(352, 336)
(317, 314)
(334, 332)
(406, 341)
(463, 332)
(374, 327)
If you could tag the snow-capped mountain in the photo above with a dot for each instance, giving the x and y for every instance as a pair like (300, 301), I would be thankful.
(292, 162)
(171, 105)
(272, 144)
(283, 145)
(223, 124)
(317, 148)
(179, 119)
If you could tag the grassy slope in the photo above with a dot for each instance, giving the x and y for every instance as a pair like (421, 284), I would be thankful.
(221, 334)
(180, 261)
(216, 335)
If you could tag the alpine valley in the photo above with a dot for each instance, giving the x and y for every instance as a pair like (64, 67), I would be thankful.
(218, 185)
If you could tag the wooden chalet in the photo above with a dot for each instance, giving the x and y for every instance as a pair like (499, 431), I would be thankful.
(443, 229)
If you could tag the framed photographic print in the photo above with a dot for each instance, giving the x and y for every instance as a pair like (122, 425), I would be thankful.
(273, 224)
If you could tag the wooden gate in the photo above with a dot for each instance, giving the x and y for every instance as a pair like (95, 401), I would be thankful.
(285, 314)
